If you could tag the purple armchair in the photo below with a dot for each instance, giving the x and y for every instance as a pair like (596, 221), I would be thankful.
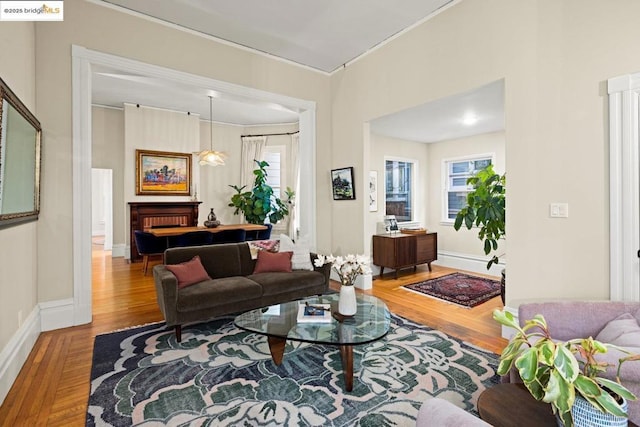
(442, 413)
(582, 319)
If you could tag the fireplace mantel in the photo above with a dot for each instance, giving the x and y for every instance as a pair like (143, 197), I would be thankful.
(144, 215)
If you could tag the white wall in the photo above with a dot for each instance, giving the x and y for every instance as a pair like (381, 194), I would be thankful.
(383, 147)
(462, 242)
(215, 191)
(18, 244)
(555, 58)
(107, 138)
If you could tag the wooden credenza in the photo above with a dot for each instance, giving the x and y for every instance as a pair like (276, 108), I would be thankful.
(400, 250)
(145, 215)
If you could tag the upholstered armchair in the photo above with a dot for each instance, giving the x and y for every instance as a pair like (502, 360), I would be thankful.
(438, 412)
(149, 245)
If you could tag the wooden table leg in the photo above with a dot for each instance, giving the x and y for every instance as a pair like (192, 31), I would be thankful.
(276, 347)
(346, 352)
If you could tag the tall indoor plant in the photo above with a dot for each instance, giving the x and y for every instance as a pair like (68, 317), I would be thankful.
(260, 203)
(553, 374)
(485, 209)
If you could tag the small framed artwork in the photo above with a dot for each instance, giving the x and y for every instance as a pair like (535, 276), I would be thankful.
(163, 173)
(342, 184)
(373, 191)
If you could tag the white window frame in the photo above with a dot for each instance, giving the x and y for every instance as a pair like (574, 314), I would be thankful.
(281, 150)
(414, 175)
(446, 176)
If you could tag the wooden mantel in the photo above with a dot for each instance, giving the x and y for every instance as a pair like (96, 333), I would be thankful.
(144, 215)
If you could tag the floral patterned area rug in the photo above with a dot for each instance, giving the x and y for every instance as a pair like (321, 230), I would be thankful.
(220, 375)
(459, 288)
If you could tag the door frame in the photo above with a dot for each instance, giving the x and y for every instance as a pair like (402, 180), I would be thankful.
(624, 183)
(82, 61)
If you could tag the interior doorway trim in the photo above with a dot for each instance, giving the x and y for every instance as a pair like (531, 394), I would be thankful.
(624, 182)
(82, 60)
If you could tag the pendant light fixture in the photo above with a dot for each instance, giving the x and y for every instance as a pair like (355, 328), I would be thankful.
(211, 157)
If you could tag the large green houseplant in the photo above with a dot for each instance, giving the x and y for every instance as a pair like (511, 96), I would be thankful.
(553, 374)
(485, 209)
(260, 203)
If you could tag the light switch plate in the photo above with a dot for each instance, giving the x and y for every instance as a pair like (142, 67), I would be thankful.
(559, 210)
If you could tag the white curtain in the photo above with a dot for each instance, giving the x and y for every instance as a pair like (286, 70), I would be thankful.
(294, 180)
(252, 147)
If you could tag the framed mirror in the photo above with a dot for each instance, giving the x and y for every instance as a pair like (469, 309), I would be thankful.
(20, 145)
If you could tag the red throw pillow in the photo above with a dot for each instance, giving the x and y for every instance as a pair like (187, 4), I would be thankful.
(273, 262)
(189, 272)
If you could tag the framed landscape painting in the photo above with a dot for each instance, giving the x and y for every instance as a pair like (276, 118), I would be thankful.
(163, 173)
(342, 184)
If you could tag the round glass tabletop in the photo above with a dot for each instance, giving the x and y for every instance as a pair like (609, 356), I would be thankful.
(371, 321)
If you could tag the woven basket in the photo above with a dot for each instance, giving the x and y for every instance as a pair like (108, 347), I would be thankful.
(586, 415)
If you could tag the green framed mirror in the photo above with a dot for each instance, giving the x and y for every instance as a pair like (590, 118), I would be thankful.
(20, 145)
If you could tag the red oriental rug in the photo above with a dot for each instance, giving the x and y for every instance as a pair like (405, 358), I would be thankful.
(459, 288)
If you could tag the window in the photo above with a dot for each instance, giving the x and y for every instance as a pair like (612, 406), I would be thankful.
(457, 173)
(399, 189)
(273, 154)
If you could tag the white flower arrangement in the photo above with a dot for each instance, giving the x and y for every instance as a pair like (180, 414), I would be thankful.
(347, 267)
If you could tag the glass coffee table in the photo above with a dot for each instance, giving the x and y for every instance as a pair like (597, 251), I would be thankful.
(280, 323)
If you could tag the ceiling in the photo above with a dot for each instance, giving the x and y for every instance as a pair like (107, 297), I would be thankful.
(474, 112)
(321, 34)
(295, 31)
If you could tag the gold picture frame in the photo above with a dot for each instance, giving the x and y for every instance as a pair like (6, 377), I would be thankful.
(163, 173)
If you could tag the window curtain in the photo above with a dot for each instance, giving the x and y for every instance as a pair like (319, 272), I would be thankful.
(252, 147)
(294, 180)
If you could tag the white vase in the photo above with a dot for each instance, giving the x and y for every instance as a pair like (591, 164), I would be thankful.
(347, 305)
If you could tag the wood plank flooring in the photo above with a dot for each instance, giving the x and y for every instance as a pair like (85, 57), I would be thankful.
(52, 388)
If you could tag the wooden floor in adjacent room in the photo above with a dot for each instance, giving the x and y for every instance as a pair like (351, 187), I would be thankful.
(53, 386)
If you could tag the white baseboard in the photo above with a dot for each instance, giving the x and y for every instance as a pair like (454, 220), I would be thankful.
(56, 314)
(118, 250)
(467, 262)
(15, 353)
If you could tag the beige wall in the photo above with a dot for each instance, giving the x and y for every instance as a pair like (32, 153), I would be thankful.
(383, 147)
(107, 152)
(555, 58)
(18, 244)
(106, 30)
(462, 242)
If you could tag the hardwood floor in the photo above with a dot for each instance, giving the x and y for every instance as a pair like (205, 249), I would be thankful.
(53, 386)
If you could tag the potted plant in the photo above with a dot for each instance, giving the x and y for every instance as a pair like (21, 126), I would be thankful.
(486, 209)
(259, 204)
(552, 373)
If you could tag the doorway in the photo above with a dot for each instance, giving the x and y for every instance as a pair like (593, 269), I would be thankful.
(102, 208)
(83, 60)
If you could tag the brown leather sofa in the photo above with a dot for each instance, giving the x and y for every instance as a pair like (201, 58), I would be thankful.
(233, 287)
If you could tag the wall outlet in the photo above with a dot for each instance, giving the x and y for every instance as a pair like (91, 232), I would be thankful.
(559, 210)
